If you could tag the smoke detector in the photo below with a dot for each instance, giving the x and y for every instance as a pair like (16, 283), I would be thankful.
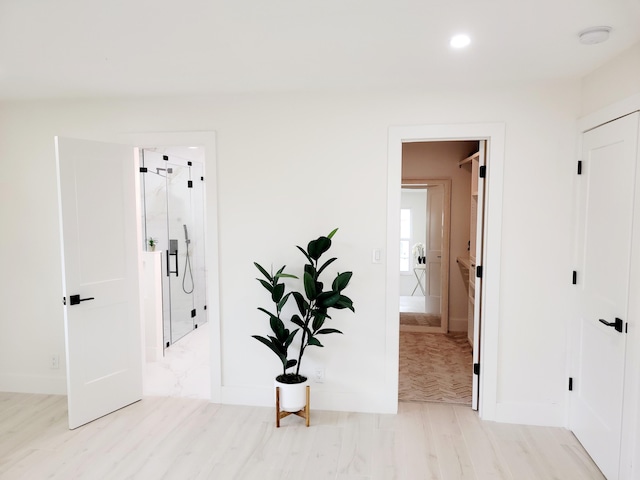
(593, 35)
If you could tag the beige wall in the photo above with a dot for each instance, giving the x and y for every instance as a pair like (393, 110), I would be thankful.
(616, 80)
(425, 160)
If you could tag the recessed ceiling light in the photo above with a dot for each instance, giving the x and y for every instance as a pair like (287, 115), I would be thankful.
(460, 41)
(593, 35)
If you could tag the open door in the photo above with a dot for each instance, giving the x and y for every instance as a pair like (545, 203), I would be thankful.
(476, 247)
(100, 261)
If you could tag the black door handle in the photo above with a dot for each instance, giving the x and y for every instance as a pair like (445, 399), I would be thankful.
(617, 324)
(75, 299)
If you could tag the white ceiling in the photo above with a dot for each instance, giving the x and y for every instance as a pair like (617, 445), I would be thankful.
(89, 48)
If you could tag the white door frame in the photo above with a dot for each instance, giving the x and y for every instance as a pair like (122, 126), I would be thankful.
(494, 134)
(206, 139)
(630, 450)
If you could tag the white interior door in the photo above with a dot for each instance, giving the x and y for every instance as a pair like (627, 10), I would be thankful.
(478, 189)
(100, 260)
(606, 196)
(433, 274)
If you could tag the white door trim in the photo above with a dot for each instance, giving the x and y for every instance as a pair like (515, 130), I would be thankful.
(494, 133)
(207, 139)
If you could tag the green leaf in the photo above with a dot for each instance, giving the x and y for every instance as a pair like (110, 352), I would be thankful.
(327, 299)
(341, 281)
(296, 320)
(308, 268)
(314, 341)
(318, 321)
(310, 286)
(283, 302)
(290, 338)
(303, 305)
(285, 275)
(305, 253)
(278, 328)
(325, 331)
(264, 272)
(330, 236)
(266, 311)
(290, 363)
(273, 348)
(344, 302)
(266, 285)
(326, 264)
(317, 247)
(278, 292)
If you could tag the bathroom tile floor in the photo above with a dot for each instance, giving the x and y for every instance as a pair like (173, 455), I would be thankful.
(184, 371)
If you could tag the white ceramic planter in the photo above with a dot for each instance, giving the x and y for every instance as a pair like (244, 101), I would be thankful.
(293, 396)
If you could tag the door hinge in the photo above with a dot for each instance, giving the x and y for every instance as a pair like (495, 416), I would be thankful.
(193, 313)
(205, 307)
(476, 369)
(570, 384)
(64, 300)
(479, 271)
(165, 157)
(189, 184)
(579, 167)
(144, 169)
(189, 163)
(574, 278)
(202, 179)
(482, 171)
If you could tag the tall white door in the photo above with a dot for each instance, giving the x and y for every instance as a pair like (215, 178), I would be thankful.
(477, 251)
(606, 196)
(434, 236)
(100, 259)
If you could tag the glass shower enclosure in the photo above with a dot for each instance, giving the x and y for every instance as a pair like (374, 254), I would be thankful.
(172, 190)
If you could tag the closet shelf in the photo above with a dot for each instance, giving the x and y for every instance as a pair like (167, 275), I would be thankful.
(466, 262)
(469, 159)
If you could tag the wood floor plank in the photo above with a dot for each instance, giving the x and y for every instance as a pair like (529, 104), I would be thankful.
(173, 438)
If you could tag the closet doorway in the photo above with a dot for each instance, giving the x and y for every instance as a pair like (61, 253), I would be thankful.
(436, 341)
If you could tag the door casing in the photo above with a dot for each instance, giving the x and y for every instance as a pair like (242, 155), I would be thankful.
(494, 134)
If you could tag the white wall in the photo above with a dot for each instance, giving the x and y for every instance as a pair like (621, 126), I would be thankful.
(300, 156)
(614, 81)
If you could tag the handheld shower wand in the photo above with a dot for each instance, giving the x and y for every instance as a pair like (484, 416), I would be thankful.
(187, 264)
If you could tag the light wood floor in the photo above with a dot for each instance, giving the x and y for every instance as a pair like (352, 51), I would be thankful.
(178, 438)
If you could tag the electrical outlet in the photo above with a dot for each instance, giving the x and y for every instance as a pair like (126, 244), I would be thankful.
(318, 375)
(54, 361)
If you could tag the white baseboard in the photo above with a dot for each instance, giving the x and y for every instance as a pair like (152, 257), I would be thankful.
(530, 414)
(33, 384)
(458, 324)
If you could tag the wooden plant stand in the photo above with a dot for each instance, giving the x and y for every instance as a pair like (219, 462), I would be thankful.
(304, 413)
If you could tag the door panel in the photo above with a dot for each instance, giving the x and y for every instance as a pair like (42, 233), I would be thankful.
(100, 264)
(433, 277)
(606, 196)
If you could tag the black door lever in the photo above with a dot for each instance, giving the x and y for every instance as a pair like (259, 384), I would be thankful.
(617, 324)
(75, 299)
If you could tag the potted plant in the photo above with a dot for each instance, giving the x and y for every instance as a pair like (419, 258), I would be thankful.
(152, 242)
(313, 304)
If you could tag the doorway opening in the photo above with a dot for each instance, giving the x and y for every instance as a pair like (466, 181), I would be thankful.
(485, 353)
(436, 361)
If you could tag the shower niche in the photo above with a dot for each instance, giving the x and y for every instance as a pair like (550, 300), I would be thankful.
(172, 189)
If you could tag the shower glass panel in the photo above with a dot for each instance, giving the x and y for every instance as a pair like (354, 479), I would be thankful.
(173, 207)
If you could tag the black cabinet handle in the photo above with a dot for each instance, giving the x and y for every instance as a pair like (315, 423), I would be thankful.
(75, 299)
(617, 324)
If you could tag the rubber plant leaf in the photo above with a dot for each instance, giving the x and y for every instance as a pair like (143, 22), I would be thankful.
(326, 331)
(264, 272)
(310, 287)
